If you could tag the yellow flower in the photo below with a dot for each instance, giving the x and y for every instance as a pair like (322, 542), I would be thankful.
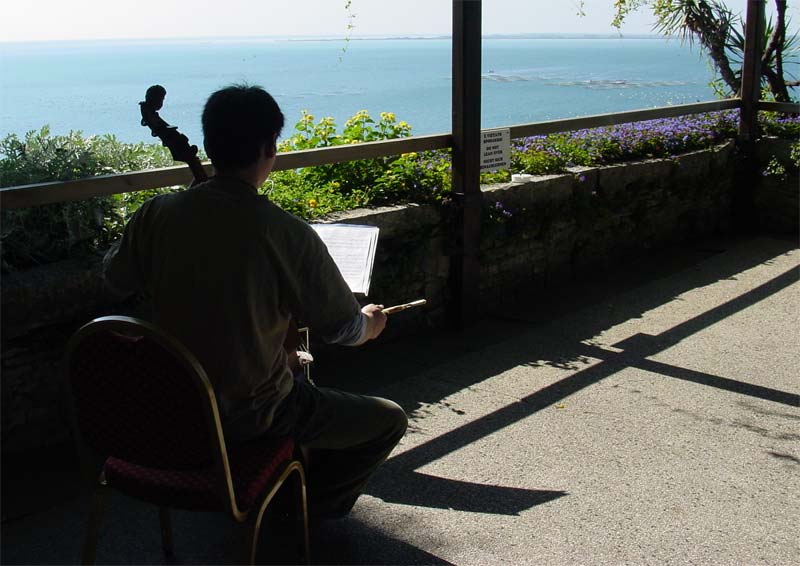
(391, 116)
(312, 202)
(403, 124)
(335, 184)
(411, 155)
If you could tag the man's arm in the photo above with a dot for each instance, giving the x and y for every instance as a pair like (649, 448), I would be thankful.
(367, 325)
(121, 268)
(323, 300)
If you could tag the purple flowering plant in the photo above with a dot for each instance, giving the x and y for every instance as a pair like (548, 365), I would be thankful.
(316, 191)
(425, 176)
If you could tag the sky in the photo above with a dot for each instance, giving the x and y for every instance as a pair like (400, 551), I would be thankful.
(47, 20)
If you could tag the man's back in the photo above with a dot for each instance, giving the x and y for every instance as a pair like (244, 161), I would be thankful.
(225, 270)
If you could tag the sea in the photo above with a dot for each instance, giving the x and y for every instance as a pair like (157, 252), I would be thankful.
(95, 86)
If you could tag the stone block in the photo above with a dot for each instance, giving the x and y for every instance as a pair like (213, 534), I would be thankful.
(52, 294)
(544, 189)
(768, 148)
(777, 203)
(619, 182)
(722, 157)
(393, 221)
(690, 167)
(586, 179)
(612, 180)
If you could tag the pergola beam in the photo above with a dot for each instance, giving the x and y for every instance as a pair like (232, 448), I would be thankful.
(747, 176)
(466, 106)
(751, 72)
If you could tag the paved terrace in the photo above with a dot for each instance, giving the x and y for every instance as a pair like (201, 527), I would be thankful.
(650, 417)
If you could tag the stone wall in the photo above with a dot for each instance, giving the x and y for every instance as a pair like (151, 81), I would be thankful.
(777, 197)
(554, 228)
(41, 308)
(563, 226)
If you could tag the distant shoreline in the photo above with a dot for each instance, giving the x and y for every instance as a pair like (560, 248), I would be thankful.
(289, 39)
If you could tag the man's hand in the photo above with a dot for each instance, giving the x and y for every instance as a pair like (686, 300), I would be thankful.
(376, 320)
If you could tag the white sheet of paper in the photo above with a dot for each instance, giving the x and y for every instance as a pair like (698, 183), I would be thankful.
(352, 247)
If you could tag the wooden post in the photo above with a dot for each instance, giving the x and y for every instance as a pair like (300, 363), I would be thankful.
(751, 71)
(464, 264)
(747, 178)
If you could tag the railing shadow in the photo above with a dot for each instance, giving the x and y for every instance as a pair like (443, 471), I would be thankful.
(513, 343)
(502, 337)
(358, 541)
(396, 484)
(518, 345)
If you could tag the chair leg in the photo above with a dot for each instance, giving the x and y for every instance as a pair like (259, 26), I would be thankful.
(252, 543)
(93, 528)
(303, 514)
(303, 524)
(166, 531)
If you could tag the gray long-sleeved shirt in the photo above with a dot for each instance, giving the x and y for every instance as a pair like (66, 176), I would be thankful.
(225, 271)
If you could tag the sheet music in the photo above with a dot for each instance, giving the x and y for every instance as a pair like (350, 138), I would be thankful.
(352, 247)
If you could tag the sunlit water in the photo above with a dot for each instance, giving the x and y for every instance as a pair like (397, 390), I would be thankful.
(95, 86)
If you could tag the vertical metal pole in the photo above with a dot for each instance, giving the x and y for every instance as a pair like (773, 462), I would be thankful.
(464, 264)
(743, 207)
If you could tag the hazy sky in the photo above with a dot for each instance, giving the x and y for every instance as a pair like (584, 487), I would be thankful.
(36, 20)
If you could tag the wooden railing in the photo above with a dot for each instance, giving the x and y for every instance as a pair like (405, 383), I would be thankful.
(784, 107)
(63, 191)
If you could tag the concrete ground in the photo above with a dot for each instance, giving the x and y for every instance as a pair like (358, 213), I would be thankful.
(646, 417)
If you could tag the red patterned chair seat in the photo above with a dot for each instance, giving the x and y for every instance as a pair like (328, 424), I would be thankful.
(252, 466)
(141, 397)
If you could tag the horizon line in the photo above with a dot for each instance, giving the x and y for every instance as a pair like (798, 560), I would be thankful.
(375, 37)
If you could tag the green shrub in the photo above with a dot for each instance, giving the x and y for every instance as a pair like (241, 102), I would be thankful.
(781, 125)
(352, 176)
(49, 233)
(43, 234)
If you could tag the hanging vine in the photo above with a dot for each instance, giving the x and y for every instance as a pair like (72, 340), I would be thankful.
(351, 17)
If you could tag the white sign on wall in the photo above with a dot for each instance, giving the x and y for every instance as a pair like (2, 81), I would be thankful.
(495, 149)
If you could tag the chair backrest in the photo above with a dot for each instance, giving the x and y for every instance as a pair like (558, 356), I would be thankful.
(140, 396)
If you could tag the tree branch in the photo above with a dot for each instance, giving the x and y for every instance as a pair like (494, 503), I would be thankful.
(710, 22)
(778, 36)
(774, 49)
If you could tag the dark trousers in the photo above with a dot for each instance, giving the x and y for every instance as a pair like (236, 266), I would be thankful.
(345, 436)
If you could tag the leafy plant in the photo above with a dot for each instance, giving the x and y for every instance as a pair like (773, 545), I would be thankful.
(415, 177)
(355, 180)
(720, 33)
(48, 233)
(794, 154)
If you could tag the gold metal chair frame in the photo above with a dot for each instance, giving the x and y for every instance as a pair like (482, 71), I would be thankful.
(136, 327)
(305, 347)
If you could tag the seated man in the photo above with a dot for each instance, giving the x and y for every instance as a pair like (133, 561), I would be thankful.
(226, 270)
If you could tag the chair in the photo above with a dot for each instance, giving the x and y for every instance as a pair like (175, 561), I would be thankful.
(143, 400)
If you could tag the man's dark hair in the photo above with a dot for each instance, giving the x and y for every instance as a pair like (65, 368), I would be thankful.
(237, 121)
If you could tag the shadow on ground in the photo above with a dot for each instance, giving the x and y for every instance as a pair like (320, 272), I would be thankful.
(44, 507)
(515, 341)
